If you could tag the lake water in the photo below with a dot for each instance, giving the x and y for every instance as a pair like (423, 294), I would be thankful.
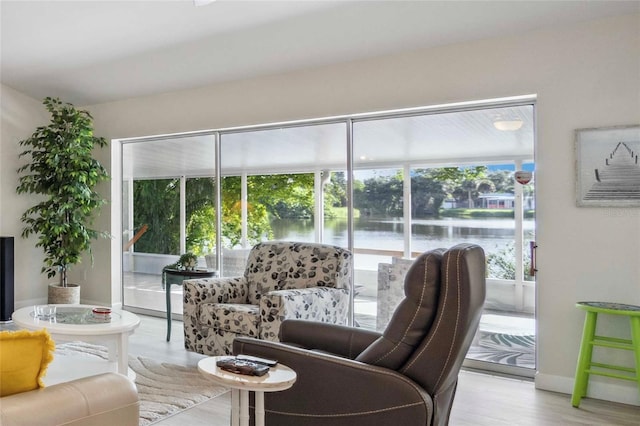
(387, 234)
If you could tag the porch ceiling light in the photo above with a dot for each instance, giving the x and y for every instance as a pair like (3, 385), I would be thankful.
(508, 125)
(198, 3)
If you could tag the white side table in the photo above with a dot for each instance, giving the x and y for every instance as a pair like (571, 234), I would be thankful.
(278, 378)
(74, 322)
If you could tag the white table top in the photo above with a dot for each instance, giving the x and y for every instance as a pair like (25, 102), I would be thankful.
(121, 322)
(278, 378)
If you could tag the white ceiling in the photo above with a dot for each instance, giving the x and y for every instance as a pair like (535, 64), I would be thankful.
(89, 52)
(429, 140)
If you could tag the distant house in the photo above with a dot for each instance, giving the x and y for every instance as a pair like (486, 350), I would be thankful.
(497, 201)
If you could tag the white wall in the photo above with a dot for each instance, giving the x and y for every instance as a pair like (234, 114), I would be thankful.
(586, 75)
(20, 117)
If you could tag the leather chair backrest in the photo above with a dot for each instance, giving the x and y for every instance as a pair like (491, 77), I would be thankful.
(282, 265)
(436, 362)
(413, 317)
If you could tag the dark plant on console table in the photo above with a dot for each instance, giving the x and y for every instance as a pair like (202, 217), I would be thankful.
(186, 262)
(63, 174)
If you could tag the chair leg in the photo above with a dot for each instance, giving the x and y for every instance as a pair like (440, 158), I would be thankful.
(168, 299)
(584, 359)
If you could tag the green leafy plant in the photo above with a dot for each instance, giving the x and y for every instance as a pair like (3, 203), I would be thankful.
(64, 174)
(186, 261)
(501, 265)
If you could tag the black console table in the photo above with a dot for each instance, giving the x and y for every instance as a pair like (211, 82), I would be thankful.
(176, 276)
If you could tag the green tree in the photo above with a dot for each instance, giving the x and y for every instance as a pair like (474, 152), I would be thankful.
(156, 204)
(258, 227)
(335, 193)
(283, 195)
(201, 231)
(427, 194)
(380, 196)
(457, 175)
(461, 182)
(200, 215)
(63, 174)
(502, 180)
(501, 265)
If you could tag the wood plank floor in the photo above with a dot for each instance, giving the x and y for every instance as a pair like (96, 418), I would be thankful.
(481, 399)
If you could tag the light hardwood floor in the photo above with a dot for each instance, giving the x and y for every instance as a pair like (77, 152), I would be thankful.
(481, 399)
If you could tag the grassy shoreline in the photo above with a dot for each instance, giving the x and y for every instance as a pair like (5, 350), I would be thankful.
(484, 213)
(341, 213)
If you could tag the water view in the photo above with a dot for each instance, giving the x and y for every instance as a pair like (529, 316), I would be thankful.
(387, 233)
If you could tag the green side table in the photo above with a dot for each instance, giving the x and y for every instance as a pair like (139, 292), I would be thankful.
(585, 366)
(176, 276)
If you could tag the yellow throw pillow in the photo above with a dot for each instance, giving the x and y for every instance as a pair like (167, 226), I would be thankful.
(24, 357)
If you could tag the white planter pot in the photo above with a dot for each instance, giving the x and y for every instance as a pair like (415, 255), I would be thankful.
(64, 295)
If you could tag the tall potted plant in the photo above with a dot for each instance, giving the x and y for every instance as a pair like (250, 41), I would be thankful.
(63, 173)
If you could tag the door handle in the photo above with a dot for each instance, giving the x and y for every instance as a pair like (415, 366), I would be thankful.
(532, 252)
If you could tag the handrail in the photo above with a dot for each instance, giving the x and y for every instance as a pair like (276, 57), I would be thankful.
(392, 253)
(144, 228)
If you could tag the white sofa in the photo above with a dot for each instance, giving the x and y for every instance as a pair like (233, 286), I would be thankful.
(107, 399)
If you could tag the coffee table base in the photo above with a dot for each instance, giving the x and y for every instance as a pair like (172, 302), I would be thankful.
(65, 368)
(278, 378)
(240, 407)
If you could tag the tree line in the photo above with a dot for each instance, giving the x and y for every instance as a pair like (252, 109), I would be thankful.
(156, 202)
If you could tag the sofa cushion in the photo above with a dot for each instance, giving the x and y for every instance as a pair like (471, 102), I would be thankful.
(413, 317)
(24, 357)
(232, 317)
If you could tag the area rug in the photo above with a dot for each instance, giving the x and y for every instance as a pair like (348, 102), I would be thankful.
(164, 389)
(508, 349)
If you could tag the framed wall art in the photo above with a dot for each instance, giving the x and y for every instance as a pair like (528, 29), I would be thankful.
(608, 166)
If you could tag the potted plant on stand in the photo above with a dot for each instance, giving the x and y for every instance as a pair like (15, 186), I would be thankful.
(63, 173)
(188, 261)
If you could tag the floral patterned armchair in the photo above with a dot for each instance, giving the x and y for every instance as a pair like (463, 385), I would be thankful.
(282, 280)
(390, 289)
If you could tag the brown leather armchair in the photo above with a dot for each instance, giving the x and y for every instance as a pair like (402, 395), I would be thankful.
(406, 375)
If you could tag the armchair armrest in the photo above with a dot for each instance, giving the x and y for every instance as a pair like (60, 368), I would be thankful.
(325, 304)
(341, 340)
(200, 337)
(215, 290)
(342, 383)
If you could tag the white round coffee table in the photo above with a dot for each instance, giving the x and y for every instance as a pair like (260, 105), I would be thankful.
(278, 378)
(76, 323)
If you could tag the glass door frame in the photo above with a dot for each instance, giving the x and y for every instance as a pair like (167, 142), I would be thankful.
(349, 121)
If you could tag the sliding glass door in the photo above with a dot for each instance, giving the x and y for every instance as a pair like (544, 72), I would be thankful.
(387, 186)
(168, 199)
(435, 180)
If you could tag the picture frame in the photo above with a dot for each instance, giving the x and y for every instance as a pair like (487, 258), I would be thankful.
(608, 166)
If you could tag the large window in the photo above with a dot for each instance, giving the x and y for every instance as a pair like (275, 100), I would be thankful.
(386, 186)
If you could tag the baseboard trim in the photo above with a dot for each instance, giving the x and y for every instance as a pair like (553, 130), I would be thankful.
(613, 392)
